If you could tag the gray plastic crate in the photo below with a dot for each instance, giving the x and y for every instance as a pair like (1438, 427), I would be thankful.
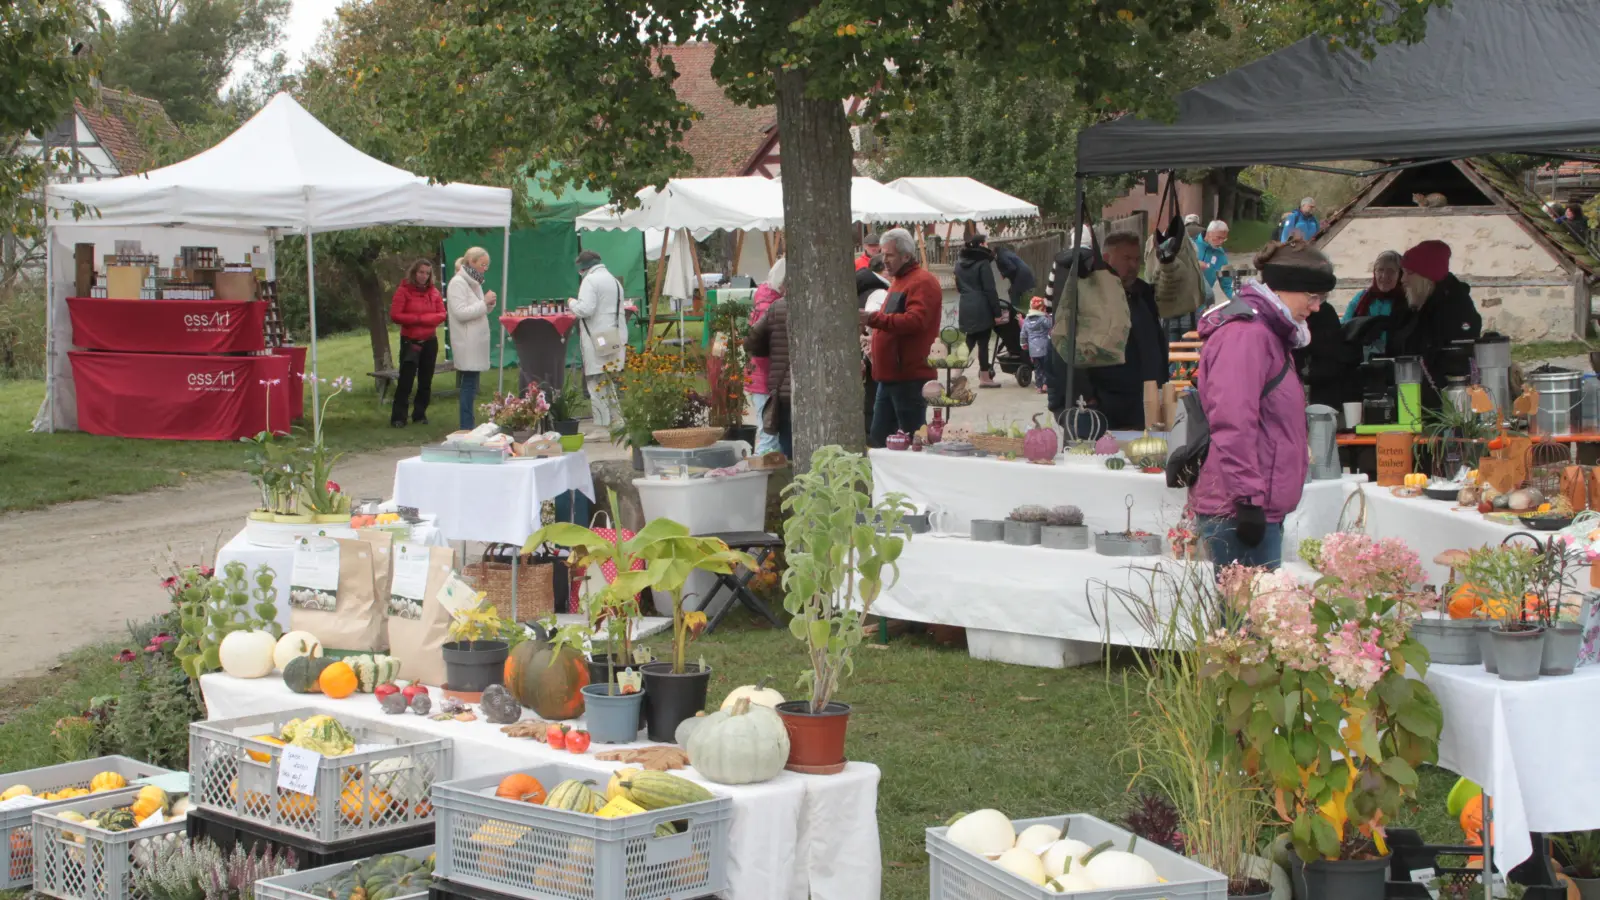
(534, 852)
(81, 862)
(357, 795)
(297, 885)
(955, 874)
(16, 825)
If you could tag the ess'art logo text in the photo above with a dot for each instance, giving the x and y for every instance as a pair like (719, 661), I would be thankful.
(213, 381)
(215, 321)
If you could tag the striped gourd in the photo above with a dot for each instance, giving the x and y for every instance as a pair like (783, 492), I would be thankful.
(575, 796)
(658, 790)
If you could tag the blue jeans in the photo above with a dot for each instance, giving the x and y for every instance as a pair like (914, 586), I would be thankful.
(1222, 546)
(469, 399)
(900, 407)
(765, 443)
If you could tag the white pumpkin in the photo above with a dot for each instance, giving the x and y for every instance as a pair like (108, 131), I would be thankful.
(295, 644)
(1023, 864)
(1057, 854)
(1035, 838)
(758, 694)
(744, 745)
(1118, 869)
(986, 832)
(247, 654)
(1073, 882)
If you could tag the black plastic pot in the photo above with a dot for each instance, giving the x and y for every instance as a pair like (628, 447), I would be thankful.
(1343, 879)
(673, 698)
(471, 666)
(1253, 890)
(566, 426)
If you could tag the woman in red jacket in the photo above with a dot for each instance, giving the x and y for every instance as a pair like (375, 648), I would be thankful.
(419, 311)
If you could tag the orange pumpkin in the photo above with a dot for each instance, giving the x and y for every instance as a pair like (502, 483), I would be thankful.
(547, 679)
(357, 803)
(521, 787)
(296, 807)
(1465, 602)
(338, 680)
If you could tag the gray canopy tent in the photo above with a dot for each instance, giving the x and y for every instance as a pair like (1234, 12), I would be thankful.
(1489, 76)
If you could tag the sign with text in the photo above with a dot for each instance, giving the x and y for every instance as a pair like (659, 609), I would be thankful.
(168, 326)
(297, 769)
(181, 396)
(1394, 457)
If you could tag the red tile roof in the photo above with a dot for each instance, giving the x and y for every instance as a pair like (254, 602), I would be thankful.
(727, 134)
(119, 121)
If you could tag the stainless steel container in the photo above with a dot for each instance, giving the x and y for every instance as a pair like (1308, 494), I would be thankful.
(1560, 400)
(1322, 426)
(1493, 360)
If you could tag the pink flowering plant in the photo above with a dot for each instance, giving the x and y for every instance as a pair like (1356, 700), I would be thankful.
(518, 413)
(1314, 694)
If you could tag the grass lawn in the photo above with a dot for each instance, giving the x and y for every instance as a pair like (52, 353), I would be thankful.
(1249, 235)
(40, 469)
(1537, 351)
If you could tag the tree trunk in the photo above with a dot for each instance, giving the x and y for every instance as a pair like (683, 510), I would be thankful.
(1227, 184)
(377, 307)
(824, 352)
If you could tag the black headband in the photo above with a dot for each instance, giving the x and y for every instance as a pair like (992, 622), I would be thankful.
(1282, 277)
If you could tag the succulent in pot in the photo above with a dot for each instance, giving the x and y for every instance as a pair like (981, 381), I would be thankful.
(1064, 517)
(1064, 529)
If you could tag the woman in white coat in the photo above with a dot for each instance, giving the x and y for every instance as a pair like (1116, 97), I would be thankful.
(603, 332)
(469, 305)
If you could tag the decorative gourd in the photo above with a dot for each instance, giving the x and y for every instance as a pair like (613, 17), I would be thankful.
(986, 832)
(1465, 602)
(1073, 880)
(262, 756)
(744, 745)
(576, 796)
(293, 645)
(937, 351)
(614, 786)
(373, 669)
(149, 800)
(107, 781)
(758, 694)
(16, 790)
(680, 735)
(499, 707)
(549, 680)
(1024, 864)
(1147, 450)
(1039, 444)
(1106, 445)
(1116, 463)
(338, 680)
(1035, 838)
(359, 802)
(1063, 853)
(659, 790)
(247, 654)
(518, 786)
(323, 734)
(1117, 869)
(120, 819)
(302, 673)
(932, 391)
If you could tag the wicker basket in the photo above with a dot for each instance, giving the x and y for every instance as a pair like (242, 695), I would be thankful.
(994, 445)
(687, 438)
(535, 586)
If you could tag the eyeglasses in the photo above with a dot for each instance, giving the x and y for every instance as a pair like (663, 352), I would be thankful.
(1318, 299)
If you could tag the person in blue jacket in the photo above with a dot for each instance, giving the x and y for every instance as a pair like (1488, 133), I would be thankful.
(1213, 259)
(1303, 220)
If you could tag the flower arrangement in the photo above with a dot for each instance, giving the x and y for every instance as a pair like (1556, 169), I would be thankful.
(1185, 543)
(515, 413)
(653, 390)
(1314, 688)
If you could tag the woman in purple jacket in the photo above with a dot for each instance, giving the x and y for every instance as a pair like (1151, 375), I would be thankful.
(1256, 467)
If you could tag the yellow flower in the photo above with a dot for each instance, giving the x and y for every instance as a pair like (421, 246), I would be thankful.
(694, 622)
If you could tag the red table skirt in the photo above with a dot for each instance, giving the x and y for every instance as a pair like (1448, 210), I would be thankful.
(297, 377)
(561, 322)
(180, 397)
(167, 326)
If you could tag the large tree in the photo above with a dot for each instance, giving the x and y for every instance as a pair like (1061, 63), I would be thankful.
(182, 52)
(600, 77)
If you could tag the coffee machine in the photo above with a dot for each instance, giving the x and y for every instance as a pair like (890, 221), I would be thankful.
(1391, 395)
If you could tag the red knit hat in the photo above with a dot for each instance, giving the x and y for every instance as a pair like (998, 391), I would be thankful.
(1430, 259)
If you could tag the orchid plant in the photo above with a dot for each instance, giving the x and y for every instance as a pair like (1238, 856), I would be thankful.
(514, 413)
(1315, 688)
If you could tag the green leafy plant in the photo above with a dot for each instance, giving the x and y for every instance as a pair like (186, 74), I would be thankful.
(838, 561)
(671, 554)
(149, 717)
(210, 607)
(566, 403)
(652, 391)
(1503, 577)
(730, 322)
(1581, 850)
(480, 623)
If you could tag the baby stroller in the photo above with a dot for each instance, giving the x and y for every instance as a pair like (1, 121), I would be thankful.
(1009, 355)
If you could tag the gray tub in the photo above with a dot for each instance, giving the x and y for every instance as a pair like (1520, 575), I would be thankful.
(1450, 642)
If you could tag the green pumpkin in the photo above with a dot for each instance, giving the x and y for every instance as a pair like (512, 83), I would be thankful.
(117, 820)
(1116, 463)
(547, 679)
(302, 672)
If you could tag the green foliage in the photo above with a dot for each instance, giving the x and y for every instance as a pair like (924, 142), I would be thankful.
(149, 717)
(841, 549)
(210, 608)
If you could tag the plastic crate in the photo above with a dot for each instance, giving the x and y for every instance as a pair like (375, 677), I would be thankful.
(362, 794)
(523, 850)
(227, 832)
(81, 862)
(297, 885)
(16, 825)
(955, 874)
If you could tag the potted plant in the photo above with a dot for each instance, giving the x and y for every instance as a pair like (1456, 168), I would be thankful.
(1064, 529)
(212, 606)
(836, 570)
(259, 465)
(725, 370)
(1580, 850)
(564, 405)
(1023, 525)
(328, 505)
(475, 655)
(519, 416)
(1314, 688)
(1504, 579)
(652, 390)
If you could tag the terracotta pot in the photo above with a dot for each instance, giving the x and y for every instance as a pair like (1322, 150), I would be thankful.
(816, 740)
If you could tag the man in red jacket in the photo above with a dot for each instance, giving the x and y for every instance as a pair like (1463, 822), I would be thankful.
(902, 331)
(419, 311)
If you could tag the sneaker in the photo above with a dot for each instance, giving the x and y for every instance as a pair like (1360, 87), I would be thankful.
(400, 424)
(420, 420)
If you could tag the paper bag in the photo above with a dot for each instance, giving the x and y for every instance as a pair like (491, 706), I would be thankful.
(348, 617)
(1575, 487)
(1152, 408)
(418, 624)
(1169, 405)
(382, 544)
(1394, 457)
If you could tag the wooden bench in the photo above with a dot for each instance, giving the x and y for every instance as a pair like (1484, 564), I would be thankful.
(384, 379)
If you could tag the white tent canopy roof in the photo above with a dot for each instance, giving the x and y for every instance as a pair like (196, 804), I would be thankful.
(284, 169)
(963, 199)
(748, 203)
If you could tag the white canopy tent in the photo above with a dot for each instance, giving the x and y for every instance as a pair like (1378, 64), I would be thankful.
(963, 199)
(282, 171)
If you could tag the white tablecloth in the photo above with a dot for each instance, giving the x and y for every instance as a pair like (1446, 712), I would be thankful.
(796, 837)
(1429, 526)
(1526, 744)
(281, 559)
(497, 504)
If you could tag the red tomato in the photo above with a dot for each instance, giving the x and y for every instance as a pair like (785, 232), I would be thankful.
(556, 737)
(577, 741)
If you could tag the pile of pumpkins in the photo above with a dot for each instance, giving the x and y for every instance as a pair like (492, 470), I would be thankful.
(100, 783)
(743, 742)
(1042, 856)
(149, 803)
(631, 791)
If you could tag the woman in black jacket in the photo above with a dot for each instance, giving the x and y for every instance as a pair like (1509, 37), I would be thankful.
(980, 310)
(1328, 365)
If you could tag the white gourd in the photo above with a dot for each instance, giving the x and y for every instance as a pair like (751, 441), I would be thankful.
(745, 745)
(1057, 854)
(986, 832)
(1035, 838)
(1119, 869)
(295, 644)
(1023, 864)
(1073, 882)
(247, 654)
(758, 694)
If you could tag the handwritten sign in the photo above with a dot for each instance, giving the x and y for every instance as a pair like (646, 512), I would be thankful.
(1394, 457)
(297, 770)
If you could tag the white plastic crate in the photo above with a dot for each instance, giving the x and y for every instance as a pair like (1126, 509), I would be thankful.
(530, 851)
(298, 885)
(955, 874)
(358, 795)
(16, 825)
(81, 862)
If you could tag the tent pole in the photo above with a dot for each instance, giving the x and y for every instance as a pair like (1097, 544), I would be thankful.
(505, 304)
(49, 316)
(311, 292)
(1071, 296)
(655, 294)
(738, 253)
